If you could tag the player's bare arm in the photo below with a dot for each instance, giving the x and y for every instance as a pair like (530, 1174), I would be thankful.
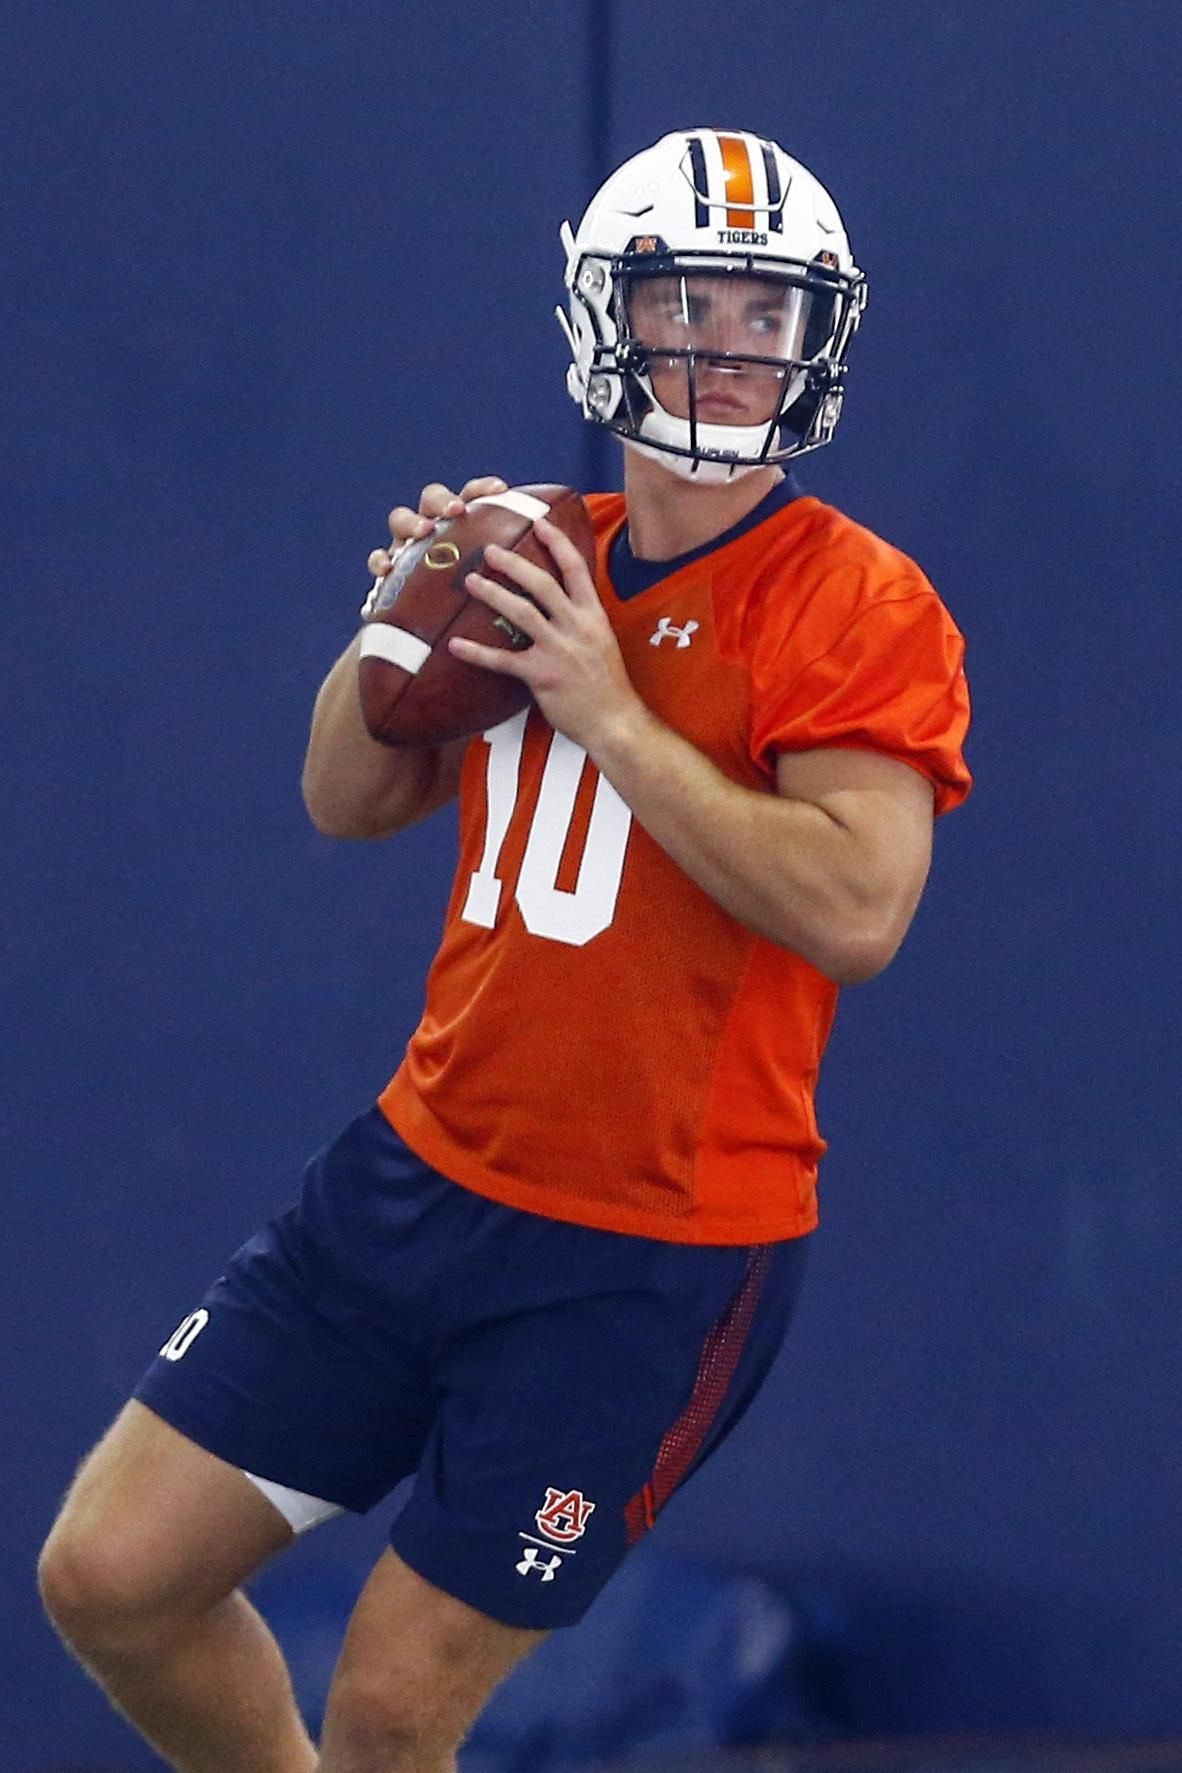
(353, 786)
(832, 866)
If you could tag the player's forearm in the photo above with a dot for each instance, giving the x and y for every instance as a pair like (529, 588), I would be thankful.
(352, 785)
(784, 868)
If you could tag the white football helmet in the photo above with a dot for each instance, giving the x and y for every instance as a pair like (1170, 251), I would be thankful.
(711, 376)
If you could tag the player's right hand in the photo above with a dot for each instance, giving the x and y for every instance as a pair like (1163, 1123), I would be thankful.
(435, 502)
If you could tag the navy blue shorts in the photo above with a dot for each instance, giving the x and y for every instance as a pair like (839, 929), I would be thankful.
(550, 1386)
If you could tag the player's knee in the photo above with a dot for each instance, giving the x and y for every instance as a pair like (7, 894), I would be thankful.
(66, 1579)
(372, 1723)
(89, 1587)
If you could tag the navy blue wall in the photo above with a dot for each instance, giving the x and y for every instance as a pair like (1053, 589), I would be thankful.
(267, 269)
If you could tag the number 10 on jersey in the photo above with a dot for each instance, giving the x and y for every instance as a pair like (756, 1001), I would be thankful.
(546, 910)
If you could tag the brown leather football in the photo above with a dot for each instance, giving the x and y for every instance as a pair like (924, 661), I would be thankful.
(413, 691)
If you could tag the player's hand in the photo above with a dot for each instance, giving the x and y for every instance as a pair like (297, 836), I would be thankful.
(574, 666)
(435, 502)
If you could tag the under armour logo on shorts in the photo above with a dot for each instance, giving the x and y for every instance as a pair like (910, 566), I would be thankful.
(546, 1567)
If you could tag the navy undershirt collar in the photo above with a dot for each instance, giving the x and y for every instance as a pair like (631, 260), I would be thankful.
(630, 576)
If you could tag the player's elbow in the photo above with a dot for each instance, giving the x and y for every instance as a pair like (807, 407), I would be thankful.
(857, 962)
(846, 957)
(865, 945)
(867, 924)
(331, 824)
(334, 815)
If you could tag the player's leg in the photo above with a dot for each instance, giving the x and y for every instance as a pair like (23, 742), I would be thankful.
(292, 1367)
(415, 1672)
(581, 1375)
(140, 1576)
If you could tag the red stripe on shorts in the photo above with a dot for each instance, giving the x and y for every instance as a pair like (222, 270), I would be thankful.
(716, 1369)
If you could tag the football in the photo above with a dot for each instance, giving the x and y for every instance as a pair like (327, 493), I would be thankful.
(413, 691)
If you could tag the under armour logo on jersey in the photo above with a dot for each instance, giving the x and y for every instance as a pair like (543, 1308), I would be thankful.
(564, 1515)
(667, 629)
(546, 1567)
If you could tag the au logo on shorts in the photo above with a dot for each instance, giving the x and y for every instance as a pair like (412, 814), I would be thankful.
(561, 1520)
(564, 1515)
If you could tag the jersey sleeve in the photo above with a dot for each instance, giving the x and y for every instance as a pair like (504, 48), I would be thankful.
(892, 681)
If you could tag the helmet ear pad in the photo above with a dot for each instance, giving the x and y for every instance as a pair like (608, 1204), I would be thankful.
(822, 324)
(800, 415)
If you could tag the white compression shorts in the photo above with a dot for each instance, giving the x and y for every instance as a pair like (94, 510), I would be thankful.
(299, 1511)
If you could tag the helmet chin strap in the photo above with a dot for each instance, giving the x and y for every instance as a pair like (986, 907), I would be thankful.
(665, 438)
(696, 469)
(660, 428)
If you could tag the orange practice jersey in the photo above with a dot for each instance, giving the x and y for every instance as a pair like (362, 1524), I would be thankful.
(601, 1042)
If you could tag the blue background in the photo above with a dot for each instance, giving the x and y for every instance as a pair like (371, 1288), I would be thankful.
(265, 271)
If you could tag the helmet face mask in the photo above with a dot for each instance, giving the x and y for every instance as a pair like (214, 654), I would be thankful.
(715, 347)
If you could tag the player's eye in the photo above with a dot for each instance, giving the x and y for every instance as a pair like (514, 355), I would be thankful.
(684, 314)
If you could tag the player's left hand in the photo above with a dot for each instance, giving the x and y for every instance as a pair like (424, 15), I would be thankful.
(574, 667)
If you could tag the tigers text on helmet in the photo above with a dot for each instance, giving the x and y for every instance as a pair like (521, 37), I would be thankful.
(712, 299)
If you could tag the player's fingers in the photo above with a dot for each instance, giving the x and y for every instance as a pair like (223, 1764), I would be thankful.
(483, 487)
(379, 563)
(493, 658)
(535, 579)
(518, 609)
(437, 500)
(407, 525)
(578, 581)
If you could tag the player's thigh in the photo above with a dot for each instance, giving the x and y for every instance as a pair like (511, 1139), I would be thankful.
(153, 1524)
(416, 1664)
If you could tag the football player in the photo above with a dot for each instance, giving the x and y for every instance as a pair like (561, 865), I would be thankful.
(549, 1269)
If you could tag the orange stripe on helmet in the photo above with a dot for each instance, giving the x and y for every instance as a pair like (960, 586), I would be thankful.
(740, 181)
